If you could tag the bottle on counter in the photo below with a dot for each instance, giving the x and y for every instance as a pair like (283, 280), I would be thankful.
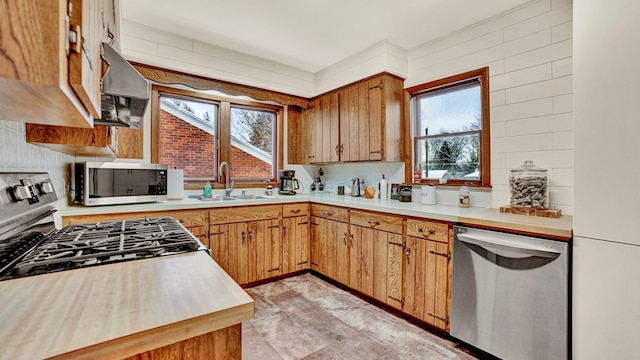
(207, 189)
(417, 173)
(464, 197)
(383, 188)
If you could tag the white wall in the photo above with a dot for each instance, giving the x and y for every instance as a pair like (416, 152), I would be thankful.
(529, 54)
(163, 49)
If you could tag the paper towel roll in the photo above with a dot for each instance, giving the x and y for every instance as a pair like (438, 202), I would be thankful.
(175, 184)
(428, 195)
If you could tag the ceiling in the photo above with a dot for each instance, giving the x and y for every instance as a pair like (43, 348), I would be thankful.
(311, 34)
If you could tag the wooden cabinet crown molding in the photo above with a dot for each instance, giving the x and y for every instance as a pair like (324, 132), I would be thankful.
(167, 76)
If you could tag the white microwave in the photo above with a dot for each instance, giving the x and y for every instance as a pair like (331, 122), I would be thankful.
(110, 183)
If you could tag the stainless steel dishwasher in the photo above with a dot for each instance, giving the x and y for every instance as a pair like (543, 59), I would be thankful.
(510, 294)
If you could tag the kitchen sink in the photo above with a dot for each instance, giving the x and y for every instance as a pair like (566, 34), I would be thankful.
(235, 197)
(216, 198)
(250, 197)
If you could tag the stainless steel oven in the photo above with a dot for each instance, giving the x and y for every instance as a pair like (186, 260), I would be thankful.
(108, 183)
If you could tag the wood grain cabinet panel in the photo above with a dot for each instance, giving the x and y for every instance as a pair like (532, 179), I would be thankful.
(329, 248)
(34, 64)
(295, 210)
(429, 230)
(295, 243)
(330, 212)
(427, 283)
(358, 122)
(377, 221)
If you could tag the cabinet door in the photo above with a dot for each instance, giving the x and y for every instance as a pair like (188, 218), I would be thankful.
(354, 127)
(427, 281)
(265, 258)
(375, 121)
(224, 249)
(318, 245)
(295, 244)
(361, 275)
(309, 133)
(85, 66)
(239, 250)
(336, 235)
(329, 110)
(387, 268)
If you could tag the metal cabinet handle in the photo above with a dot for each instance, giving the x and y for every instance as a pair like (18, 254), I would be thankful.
(295, 211)
(351, 239)
(243, 236)
(430, 231)
(284, 231)
(344, 238)
(372, 222)
(326, 212)
(408, 254)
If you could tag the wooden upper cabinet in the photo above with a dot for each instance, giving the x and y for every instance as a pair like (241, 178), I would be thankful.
(359, 122)
(39, 82)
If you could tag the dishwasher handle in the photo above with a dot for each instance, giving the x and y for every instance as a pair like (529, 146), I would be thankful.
(506, 247)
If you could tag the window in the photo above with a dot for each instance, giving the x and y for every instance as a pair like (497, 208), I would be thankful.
(451, 129)
(197, 131)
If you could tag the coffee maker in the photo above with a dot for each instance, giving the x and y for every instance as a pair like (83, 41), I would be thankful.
(288, 184)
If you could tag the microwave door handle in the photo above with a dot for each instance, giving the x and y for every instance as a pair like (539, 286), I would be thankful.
(507, 248)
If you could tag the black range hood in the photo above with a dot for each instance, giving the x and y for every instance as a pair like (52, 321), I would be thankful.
(125, 93)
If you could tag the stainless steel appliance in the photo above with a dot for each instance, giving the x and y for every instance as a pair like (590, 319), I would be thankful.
(357, 187)
(288, 183)
(108, 183)
(31, 245)
(125, 93)
(510, 294)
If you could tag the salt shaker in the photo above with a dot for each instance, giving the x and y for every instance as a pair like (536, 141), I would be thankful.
(464, 199)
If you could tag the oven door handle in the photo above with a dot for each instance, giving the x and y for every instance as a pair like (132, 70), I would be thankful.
(508, 248)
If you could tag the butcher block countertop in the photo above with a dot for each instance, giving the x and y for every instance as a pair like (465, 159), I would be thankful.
(118, 310)
(560, 229)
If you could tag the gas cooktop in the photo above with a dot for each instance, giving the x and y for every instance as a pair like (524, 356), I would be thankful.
(29, 244)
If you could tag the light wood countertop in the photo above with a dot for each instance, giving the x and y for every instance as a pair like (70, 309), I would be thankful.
(560, 229)
(118, 310)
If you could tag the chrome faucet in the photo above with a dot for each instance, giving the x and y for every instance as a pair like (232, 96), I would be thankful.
(227, 189)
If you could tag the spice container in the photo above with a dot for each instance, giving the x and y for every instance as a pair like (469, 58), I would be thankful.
(464, 197)
(528, 185)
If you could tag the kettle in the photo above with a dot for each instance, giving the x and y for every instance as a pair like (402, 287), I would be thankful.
(357, 187)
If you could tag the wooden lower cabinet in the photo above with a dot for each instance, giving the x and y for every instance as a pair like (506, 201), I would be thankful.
(248, 251)
(376, 264)
(221, 344)
(295, 244)
(329, 248)
(426, 282)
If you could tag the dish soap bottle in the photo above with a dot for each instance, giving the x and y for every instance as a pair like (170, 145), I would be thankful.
(383, 188)
(207, 189)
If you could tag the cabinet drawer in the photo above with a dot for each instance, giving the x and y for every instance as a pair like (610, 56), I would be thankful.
(383, 222)
(290, 210)
(428, 230)
(330, 212)
(244, 213)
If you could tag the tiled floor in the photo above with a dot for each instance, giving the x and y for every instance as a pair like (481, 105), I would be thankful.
(304, 317)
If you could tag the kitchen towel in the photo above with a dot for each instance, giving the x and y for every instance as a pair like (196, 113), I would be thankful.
(175, 184)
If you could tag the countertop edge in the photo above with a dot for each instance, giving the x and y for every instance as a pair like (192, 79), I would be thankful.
(161, 336)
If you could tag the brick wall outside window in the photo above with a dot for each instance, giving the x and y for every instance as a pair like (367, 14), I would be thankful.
(188, 148)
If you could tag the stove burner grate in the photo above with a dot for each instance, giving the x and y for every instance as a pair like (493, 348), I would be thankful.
(83, 245)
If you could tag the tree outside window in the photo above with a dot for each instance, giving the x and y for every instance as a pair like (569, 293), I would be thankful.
(451, 129)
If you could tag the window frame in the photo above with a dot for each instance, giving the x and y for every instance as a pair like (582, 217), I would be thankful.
(223, 147)
(484, 136)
